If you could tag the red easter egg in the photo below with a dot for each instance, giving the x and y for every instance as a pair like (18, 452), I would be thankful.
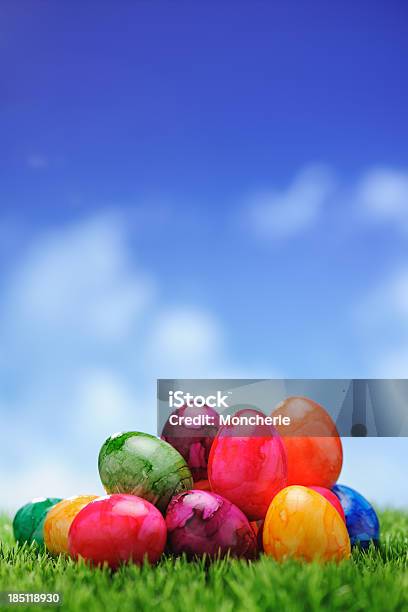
(247, 465)
(118, 529)
(313, 446)
(332, 498)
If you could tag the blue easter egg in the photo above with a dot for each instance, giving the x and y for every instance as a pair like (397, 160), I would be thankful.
(361, 519)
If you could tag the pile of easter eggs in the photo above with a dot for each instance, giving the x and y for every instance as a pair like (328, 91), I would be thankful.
(213, 491)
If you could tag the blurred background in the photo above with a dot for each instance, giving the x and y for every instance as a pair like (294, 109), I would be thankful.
(195, 189)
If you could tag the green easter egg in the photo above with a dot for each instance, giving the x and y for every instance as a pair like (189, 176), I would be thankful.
(140, 464)
(29, 520)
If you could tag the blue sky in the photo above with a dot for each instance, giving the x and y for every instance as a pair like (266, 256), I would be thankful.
(195, 189)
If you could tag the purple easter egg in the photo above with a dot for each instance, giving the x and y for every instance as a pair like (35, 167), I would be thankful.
(193, 439)
(200, 522)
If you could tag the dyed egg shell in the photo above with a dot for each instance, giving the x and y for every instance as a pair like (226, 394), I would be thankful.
(117, 529)
(302, 524)
(202, 485)
(313, 446)
(140, 464)
(193, 442)
(199, 522)
(332, 498)
(29, 520)
(59, 520)
(257, 528)
(361, 519)
(247, 465)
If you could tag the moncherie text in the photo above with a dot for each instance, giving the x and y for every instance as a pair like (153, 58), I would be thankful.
(205, 420)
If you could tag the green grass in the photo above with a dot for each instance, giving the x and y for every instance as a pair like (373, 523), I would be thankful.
(370, 581)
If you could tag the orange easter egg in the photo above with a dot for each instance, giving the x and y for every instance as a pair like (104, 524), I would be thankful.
(58, 522)
(202, 485)
(313, 446)
(302, 524)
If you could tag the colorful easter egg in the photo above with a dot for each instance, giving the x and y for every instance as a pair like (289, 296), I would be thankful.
(200, 522)
(29, 520)
(118, 529)
(140, 464)
(302, 524)
(191, 438)
(202, 485)
(313, 446)
(361, 519)
(332, 498)
(247, 465)
(59, 519)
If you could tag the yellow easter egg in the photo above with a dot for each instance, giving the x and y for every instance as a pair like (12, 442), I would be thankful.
(301, 524)
(58, 522)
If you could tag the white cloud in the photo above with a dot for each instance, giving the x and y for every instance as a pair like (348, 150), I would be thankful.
(42, 477)
(104, 401)
(37, 162)
(393, 363)
(376, 467)
(283, 214)
(386, 302)
(382, 194)
(185, 339)
(383, 314)
(81, 280)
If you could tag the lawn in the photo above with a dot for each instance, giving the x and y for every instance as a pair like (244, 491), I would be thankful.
(370, 581)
